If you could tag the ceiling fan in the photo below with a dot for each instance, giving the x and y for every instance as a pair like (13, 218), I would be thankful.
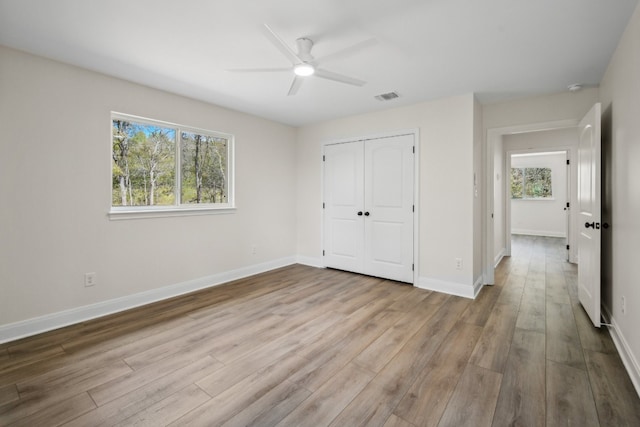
(304, 64)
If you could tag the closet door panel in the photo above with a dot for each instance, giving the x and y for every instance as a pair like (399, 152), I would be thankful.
(344, 198)
(388, 199)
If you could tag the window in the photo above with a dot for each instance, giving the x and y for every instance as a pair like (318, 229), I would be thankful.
(159, 166)
(531, 183)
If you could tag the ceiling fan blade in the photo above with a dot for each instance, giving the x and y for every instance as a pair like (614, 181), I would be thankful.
(281, 45)
(257, 70)
(348, 50)
(324, 74)
(295, 85)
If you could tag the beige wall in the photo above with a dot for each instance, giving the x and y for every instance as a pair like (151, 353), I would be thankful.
(446, 167)
(55, 183)
(540, 109)
(620, 96)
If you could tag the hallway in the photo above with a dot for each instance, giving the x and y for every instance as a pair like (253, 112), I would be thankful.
(555, 349)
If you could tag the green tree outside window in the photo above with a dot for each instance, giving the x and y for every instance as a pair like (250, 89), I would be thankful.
(531, 183)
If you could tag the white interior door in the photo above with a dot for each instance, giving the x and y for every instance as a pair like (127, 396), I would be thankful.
(343, 200)
(567, 209)
(589, 208)
(368, 207)
(388, 204)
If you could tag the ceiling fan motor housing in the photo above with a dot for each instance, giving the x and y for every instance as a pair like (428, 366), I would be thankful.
(304, 49)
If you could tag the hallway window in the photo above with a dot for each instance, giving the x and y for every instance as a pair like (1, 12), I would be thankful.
(531, 183)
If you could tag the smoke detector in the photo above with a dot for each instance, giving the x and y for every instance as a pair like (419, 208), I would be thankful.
(574, 87)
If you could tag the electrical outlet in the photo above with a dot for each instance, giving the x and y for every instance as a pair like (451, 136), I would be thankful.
(623, 307)
(90, 279)
(458, 263)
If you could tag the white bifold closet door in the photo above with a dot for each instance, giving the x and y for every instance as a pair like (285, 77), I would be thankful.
(369, 207)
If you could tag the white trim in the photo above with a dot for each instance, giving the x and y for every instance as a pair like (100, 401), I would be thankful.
(499, 257)
(121, 214)
(477, 286)
(25, 328)
(452, 288)
(624, 350)
(544, 233)
(310, 261)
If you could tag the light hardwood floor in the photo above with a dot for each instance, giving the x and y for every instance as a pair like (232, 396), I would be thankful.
(301, 346)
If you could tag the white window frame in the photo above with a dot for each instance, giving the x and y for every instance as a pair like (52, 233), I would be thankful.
(177, 209)
(524, 183)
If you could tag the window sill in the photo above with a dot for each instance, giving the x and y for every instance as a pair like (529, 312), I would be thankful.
(122, 214)
(539, 199)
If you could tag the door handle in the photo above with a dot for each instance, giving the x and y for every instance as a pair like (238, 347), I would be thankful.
(360, 213)
(594, 225)
(366, 214)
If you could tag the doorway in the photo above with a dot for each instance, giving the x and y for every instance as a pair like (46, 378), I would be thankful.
(537, 195)
(537, 136)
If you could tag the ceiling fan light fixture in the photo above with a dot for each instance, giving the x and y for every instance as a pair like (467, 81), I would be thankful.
(304, 70)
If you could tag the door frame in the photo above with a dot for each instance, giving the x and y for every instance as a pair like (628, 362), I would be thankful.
(507, 199)
(415, 132)
(493, 136)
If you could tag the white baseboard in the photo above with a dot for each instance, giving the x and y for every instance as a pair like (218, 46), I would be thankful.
(310, 261)
(452, 288)
(477, 286)
(499, 257)
(25, 328)
(629, 361)
(542, 233)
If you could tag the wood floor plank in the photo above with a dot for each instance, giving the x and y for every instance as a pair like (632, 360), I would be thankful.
(82, 378)
(14, 368)
(532, 314)
(219, 381)
(133, 380)
(563, 341)
(334, 357)
(271, 408)
(569, 398)
(591, 338)
(387, 345)
(522, 393)
(168, 409)
(478, 312)
(330, 399)
(232, 401)
(57, 413)
(426, 400)
(141, 398)
(52, 389)
(198, 338)
(492, 349)
(410, 298)
(395, 421)
(615, 397)
(474, 399)
(8, 393)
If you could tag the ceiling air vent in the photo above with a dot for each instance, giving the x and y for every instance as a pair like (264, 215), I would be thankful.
(387, 96)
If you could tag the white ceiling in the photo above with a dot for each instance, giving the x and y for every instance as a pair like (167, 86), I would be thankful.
(427, 49)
